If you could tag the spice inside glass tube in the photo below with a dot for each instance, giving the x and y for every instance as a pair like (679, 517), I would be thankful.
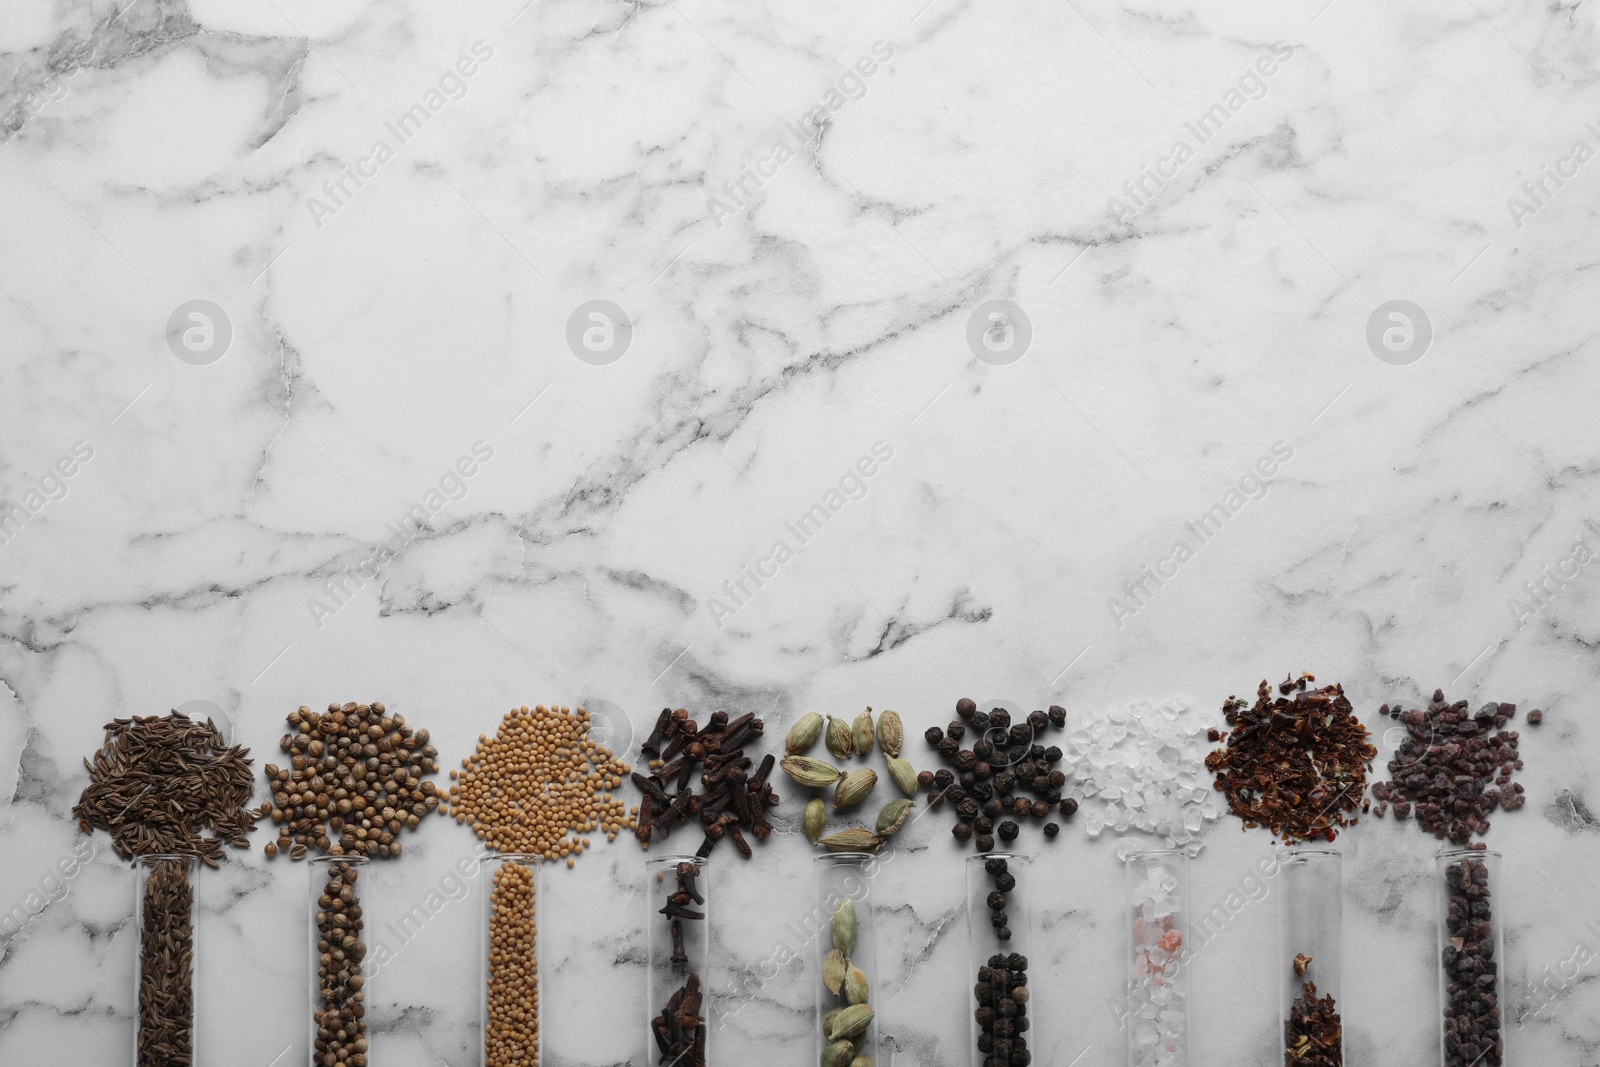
(997, 940)
(677, 945)
(511, 977)
(1157, 1019)
(168, 887)
(1310, 960)
(1471, 946)
(845, 990)
(338, 991)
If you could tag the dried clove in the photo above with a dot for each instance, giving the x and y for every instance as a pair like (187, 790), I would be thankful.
(733, 800)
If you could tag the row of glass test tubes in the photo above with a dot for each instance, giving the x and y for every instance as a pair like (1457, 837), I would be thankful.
(679, 994)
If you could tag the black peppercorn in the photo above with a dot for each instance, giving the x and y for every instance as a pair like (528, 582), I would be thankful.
(980, 721)
(1005, 881)
(995, 865)
(982, 749)
(981, 770)
(1051, 829)
(1069, 808)
(1008, 831)
(1037, 721)
(983, 824)
(934, 735)
(991, 807)
(985, 843)
(1052, 754)
(1058, 715)
(957, 729)
(943, 778)
(965, 707)
(962, 831)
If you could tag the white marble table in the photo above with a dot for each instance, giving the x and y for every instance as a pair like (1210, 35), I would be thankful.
(397, 214)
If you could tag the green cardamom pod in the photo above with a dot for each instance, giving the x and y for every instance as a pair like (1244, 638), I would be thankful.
(840, 741)
(844, 927)
(854, 787)
(810, 772)
(862, 733)
(815, 819)
(893, 815)
(854, 839)
(827, 1020)
(855, 986)
(890, 733)
(904, 775)
(834, 969)
(803, 734)
(853, 1020)
(838, 1054)
(862, 1060)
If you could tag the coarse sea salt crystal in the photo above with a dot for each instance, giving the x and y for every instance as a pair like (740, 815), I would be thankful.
(1146, 763)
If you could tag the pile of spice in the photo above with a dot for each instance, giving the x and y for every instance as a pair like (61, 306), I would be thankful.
(992, 780)
(159, 782)
(1296, 764)
(680, 1029)
(847, 1027)
(851, 788)
(166, 967)
(157, 785)
(1453, 768)
(1313, 1036)
(354, 784)
(511, 1036)
(734, 800)
(1472, 1033)
(1142, 768)
(540, 784)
